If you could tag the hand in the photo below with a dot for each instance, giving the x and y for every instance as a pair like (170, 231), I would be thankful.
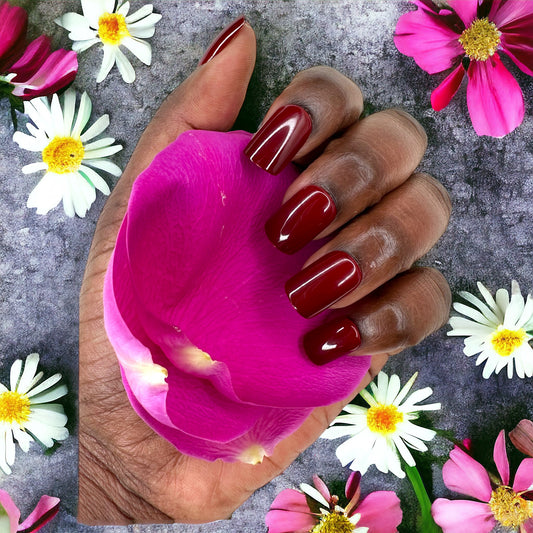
(389, 218)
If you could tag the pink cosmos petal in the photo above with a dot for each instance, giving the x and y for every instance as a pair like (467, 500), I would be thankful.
(353, 487)
(13, 25)
(520, 48)
(465, 475)
(321, 487)
(46, 509)
(527, 527)
(34, 56)
(494, 98)
(466, 9)
(508, 14)
(428, 39)
(380, 512)
(458, 516)
(523, 479)
(289, 513)
(443, 94)
(500, 458)
(6, 502)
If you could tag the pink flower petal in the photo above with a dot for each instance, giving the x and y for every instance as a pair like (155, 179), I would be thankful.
(353, 487)
(509, 13)
(500, 458)
(34, 56)
(466, 9)
(46, 509)
(290, 513)
(321, 487)
(13, 25)
(428, 39)
(380, 512)
(527, 527)
(443, 94)
(523, 479)
(458, 516)
(465, 475)
(13, 513)
(495, 101)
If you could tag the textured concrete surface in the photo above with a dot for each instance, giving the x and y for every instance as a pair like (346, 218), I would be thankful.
(42, 258)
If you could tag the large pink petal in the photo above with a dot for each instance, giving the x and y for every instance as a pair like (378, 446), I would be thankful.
(527, 527)
(9, 506)
(523, 479)
(428, 39)
(289, 513)
(46, 509)
(500, 458)
(466, 9)
(495, 101)
(201, 265)
(458, 516)
(443, 94)
(321, 487)
(13, 25)
(380, 512)
(34, 56)
(465, 475)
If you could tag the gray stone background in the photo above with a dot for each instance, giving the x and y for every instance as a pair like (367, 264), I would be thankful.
(42, 258)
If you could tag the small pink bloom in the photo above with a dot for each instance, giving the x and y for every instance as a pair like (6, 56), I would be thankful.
(32, 69)
(195, 307)
(294, 511)
(46, 509)
(500, 503)
(468, 39)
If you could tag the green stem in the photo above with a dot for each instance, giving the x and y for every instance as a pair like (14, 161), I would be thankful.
(427, 524)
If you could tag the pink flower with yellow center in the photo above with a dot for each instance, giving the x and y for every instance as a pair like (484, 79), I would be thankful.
(468, 37)
(500, 502)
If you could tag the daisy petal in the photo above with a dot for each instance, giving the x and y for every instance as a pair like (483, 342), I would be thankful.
(105, 165)
(124, 67)
(81, 46)
(95, 179)
(141, 49)
(30, 369)
(98, 127)
(110, 57)
(144, 11)
(47, 193)
(102, 152)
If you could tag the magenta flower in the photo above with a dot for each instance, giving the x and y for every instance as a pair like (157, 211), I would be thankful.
(468, 38)
(315, 509)
(31, 70)
(195, 308)
(500, 503)
(46, 509)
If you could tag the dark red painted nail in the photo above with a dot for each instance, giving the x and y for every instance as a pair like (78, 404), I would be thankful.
(323, 283)
(300, 219)
(278, 140)
(223, 39)
(331, 340)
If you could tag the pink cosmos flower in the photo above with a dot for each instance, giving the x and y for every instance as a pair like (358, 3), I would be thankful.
(46, 509)
(31, 69)
(209, 346)
(468, 38)
(500, 503)
(315, 509)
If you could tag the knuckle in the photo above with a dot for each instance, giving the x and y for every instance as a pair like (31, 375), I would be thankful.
(407, 123)
(436, 193)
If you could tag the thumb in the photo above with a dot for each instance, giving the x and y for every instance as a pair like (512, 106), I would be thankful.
(210, 99)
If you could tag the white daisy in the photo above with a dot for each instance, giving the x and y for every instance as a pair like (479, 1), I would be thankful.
(497, 330)
(25, 414)
(67, 156)
(100, 22)
(380, 434)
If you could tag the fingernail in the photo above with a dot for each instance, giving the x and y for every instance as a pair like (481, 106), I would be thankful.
(329, 341)
(323, 283)
(223, 39)
(300, 219)
(278, 140)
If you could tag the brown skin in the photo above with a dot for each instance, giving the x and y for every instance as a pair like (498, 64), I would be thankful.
(127, 473)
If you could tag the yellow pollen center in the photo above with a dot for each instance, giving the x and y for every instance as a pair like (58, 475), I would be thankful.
(14, 408)
(509, 508)
(333, 523)
(480, 40)
(112, 28)
(506, 341)
(383, 418)
(63, 155)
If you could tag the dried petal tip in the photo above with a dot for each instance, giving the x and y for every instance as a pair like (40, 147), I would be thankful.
(522, 437)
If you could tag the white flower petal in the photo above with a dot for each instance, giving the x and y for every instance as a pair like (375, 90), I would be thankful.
(141, 49)
(98, 127)
(314, 493)
(77, 25)
(81, 46)
(27, 142)
(34, 167)
(3, 463)
(104, 165)
(95, 179)
(124, 66)
(405, 390)
(336, 432)
(83, 194)
(99, 153)
(57, 117)
(45, 385)
(502, 299)
(100, 143)
(10, 448)
(355, 409)
(369, 399)
(404, 451)
(93, 9)
(46, 434)
(394, 389)
(417, 396)
(417, 431)
(110, 57)
(28, 374)
(50, 395)
(68, 205)
(49, 415)
(474, 314)
(144, 11)
(141, 32)
(483, 307)
(14, 374)
(124, 9)
(84, 112)
(47, 193)
(69, 108)
(24, 439)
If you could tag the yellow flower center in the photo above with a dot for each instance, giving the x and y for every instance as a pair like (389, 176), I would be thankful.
(14, 408)
(509, 508)
(112, 28)
(63, 155)
(333, 523)
(506, 341)
(383, 418)
(481, 39)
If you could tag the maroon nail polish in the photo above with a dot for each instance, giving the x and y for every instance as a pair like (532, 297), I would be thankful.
(323, 283)
(300, 219)
(223, 39)
(278, 140)
(331, 340)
